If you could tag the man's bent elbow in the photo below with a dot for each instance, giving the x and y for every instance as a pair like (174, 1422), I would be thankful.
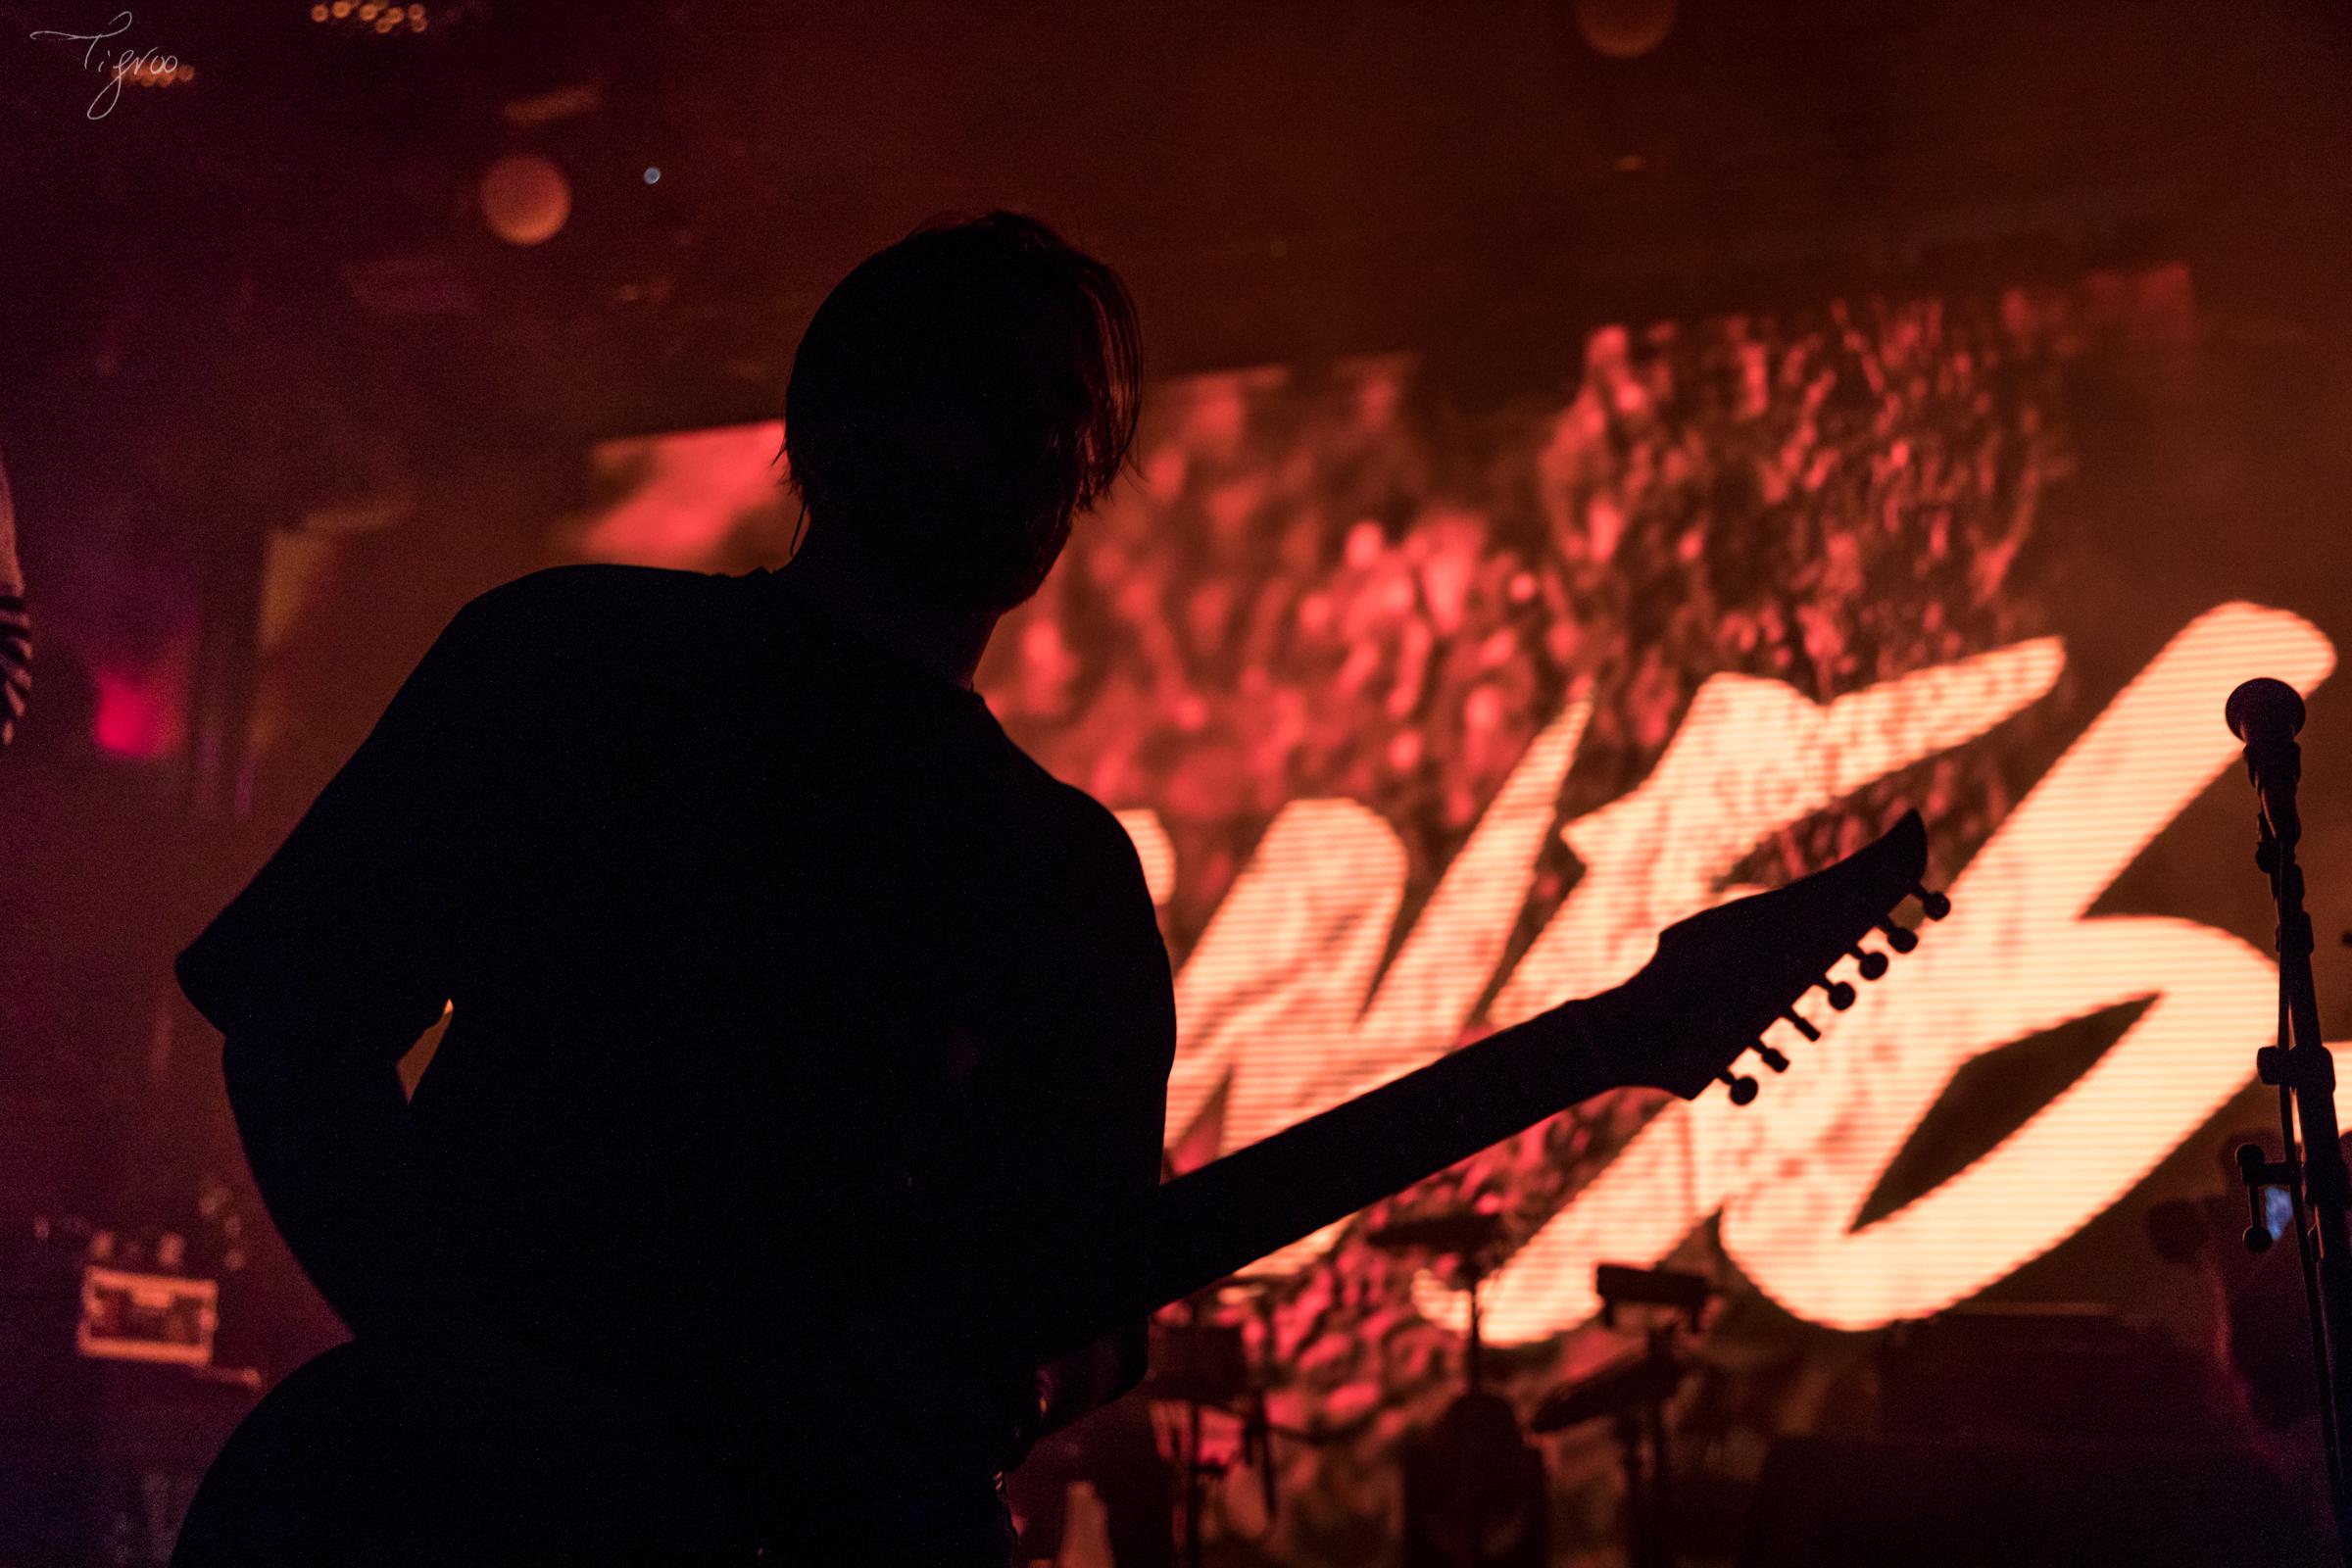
(1134, 1360)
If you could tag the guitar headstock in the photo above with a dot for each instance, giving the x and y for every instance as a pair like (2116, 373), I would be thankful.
(1720, 978)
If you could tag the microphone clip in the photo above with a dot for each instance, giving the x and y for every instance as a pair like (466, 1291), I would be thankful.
(2274, 768)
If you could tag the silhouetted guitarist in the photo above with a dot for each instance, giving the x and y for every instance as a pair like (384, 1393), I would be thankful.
(802, 1090)
(790, 997)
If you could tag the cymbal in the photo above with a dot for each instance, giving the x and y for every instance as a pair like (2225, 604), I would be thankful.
(1463, 1232)
(1643, 1378)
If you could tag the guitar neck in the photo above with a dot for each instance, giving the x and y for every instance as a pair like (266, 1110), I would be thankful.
(1218, 1219)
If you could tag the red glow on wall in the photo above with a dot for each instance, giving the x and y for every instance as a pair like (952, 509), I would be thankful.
(141, 714)
(691, 498)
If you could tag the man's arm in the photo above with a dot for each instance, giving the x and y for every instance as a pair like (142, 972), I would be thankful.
(336, 1156)
(1116, 1152)
(1086, 1380)
(326, 970)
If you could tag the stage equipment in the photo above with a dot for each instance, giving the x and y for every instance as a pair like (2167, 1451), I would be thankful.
(2267, 716)
(1474, 1492)
(128, 1316)
(1210, 1368)
(1204, 1366)
(1632, 1392)
(1199, 1362)
(110, 1409)
(1717, 981)
(1469, 1236)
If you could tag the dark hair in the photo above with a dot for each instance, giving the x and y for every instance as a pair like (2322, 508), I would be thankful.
(958, 399)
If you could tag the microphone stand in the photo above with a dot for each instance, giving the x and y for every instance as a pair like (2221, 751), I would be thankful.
(2267, 716)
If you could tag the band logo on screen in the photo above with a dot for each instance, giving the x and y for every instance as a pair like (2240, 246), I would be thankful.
(1341, 642)
(1290, 954)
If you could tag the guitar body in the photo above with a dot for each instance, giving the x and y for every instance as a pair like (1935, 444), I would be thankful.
(339, 1466)
(366, 1456)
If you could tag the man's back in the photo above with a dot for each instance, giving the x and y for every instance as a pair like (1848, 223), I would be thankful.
(788, 995)
(800, 1023)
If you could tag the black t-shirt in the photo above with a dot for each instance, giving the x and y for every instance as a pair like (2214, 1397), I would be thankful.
(788, 992)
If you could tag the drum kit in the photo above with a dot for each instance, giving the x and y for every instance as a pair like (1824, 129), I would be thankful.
(1473, 1486)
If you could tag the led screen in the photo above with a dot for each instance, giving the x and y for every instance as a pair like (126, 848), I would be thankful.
(1425, 717)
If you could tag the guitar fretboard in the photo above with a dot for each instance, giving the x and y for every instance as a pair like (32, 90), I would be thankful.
(1216, 1220)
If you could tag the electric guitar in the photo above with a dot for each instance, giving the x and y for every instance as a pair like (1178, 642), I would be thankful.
(287, 1481)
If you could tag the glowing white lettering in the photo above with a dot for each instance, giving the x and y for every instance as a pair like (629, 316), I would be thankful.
(1269, 1010)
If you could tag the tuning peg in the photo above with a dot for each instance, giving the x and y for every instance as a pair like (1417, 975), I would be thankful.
(1840, 994)
(1771, 1058)
(1936, 904)
(1743, 1090)
(1873, 964)
(1897, 938)
(1805, 1025)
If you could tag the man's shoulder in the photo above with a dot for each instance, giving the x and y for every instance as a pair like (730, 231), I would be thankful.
(557, 617)
(591, 595)
(1060, 804)
(1088, 834)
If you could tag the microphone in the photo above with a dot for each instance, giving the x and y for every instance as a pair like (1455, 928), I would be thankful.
(2268, 715)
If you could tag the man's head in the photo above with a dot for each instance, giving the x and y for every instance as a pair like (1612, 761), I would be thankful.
(956, 401)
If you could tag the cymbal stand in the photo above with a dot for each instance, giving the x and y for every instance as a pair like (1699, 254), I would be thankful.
(1633, 1393)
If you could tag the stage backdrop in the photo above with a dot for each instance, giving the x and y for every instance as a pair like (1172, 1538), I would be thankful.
(1423, 719)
